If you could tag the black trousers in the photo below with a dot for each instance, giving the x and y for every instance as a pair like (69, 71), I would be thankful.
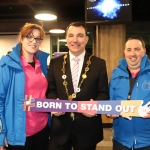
(118, 146)
(38, 141)
(70, 143)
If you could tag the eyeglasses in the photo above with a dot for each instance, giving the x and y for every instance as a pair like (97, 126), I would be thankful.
(31, 38)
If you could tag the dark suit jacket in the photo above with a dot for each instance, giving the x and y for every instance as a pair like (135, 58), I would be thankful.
(88, 130)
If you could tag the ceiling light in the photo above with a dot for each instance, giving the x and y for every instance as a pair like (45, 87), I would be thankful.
(57, 30)
(45, 15)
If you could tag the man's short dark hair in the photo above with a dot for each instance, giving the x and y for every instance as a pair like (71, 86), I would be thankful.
(136, 38)
(77, 24)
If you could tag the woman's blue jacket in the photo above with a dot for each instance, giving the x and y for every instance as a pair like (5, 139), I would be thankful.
(12, 88)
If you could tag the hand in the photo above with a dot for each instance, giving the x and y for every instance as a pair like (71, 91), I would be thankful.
(148, 115)
(2, 148)
(6, 145)
(5, 141)
(112, 116)
(90, 114)
(57, 113)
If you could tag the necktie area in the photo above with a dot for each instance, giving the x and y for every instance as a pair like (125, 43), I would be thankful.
(74, 72)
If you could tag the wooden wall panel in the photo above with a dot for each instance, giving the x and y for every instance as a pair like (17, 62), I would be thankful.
(109, 45)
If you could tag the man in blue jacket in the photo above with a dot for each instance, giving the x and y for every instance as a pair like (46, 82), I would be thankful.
(128, 83)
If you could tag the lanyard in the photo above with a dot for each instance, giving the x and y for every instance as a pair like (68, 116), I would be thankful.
(132, 82)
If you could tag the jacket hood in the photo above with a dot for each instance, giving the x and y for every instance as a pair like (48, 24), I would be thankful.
(13, 58)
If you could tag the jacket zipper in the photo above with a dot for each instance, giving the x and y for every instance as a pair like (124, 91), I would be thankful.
(137, 85)
(135, 98)
(134, 139)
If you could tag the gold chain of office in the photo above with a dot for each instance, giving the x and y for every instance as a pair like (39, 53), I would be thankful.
(64, 76)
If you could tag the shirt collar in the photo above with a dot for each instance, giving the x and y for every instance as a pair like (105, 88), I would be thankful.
(81, 56)
(134, 75)
(24, 63)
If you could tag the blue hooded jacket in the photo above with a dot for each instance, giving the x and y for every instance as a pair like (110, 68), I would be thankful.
(12, 88)
(135, 132)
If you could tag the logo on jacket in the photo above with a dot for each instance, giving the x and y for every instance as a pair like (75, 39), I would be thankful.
(1, 127)
(146, 85)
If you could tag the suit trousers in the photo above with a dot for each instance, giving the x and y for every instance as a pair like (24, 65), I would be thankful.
(118, 146)
(71, 142)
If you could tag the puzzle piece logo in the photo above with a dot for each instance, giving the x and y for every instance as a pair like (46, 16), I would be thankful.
(142, 110)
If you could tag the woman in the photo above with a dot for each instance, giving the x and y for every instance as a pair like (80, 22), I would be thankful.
(22, 73)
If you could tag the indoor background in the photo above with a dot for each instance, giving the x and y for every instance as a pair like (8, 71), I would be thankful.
(14, 13)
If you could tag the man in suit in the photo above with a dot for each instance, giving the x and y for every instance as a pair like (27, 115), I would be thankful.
(77, 130)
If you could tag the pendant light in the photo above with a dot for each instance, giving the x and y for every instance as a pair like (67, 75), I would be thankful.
(45, 15)
(57, 30)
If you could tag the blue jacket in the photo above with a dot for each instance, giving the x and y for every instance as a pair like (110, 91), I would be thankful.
(135, 132)
(12, 88)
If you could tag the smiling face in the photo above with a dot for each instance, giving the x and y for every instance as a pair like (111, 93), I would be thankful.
(76, 40)
(30, 47)
(134, 52)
